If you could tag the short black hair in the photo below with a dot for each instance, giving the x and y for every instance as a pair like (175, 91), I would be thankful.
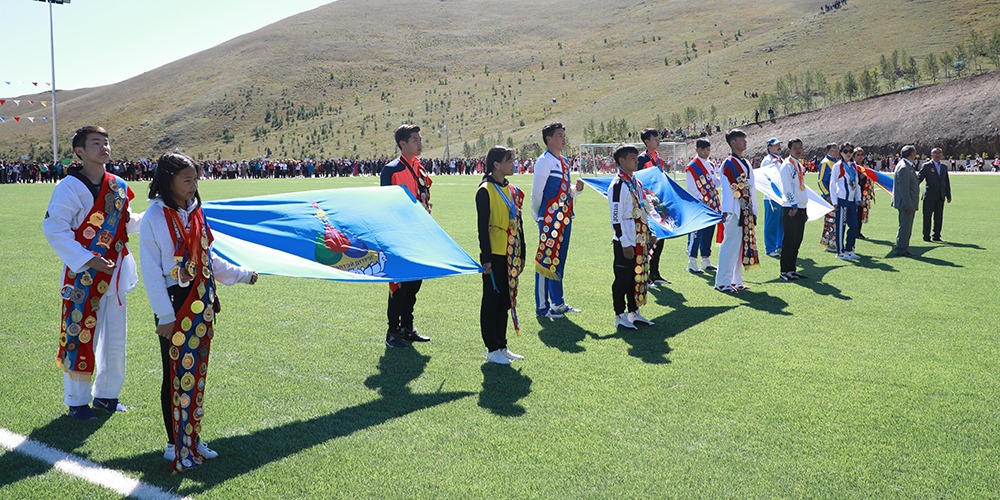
(792, 141)
(550, 130)
(649, 133)
(80, 136)
(831, 146)
(403, 133)
(702, 144)
(734, 134)
(622, 151)
(847, 147)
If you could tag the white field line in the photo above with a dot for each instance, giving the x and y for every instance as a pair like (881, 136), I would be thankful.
(84, 469)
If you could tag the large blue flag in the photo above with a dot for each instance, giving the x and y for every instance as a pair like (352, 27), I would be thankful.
(880, 179)
(674, 211)
(349, 234)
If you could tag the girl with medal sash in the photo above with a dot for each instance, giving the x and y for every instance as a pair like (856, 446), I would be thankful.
(180, 273)
(501, 246)
(845, 192)
(631, 240)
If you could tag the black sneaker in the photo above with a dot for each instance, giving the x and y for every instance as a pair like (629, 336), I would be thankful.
(110, 405)
(393, 338)
(786, 276)
(411, 335)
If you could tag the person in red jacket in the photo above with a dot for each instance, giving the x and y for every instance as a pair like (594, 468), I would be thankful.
(406, 171)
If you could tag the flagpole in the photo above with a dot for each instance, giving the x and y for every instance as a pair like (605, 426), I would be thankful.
(52, 49)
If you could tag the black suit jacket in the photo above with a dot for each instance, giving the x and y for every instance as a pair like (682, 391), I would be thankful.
(938, 186)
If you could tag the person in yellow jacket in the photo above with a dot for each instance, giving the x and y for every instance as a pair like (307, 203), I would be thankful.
(501, 249)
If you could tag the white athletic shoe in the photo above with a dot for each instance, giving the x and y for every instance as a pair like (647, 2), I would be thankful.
(203, 450)
(497, 357)
(853, 256)
(636, 317)
(844, 256)
(565, 309)
(511, 356)
(707, 265)
(622, 321)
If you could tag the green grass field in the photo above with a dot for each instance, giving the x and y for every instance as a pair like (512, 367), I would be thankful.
(873, 379)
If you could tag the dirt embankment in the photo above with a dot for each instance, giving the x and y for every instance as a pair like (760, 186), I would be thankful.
(960, 116)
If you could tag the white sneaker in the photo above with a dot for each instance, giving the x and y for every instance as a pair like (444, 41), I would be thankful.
(203, 450)
(511, 356)
(636, 317)
(565, 308)
(853, 256)
(497, 357)
(707, 265)
(551, 314)
(622, 321)
(844, 256)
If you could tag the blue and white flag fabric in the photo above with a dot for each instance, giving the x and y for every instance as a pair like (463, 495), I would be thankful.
(880, 179)
(349, 234)
(767, 180)
(673, 211)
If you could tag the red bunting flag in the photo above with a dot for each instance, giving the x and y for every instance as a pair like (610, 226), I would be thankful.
(17, 118)
(34, 83)
(30, 101)
(2, 101)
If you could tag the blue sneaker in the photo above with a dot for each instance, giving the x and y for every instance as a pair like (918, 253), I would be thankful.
(110, 405)
(82, 412)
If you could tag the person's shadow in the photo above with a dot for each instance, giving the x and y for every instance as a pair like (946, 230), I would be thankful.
(63, 433)
(920, 254)
(814, 280)
(650, 343)
(971, 246)
(503, 387)
(562, 334)
(248, 452)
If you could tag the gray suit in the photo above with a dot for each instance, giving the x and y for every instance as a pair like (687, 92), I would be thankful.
(905, 196)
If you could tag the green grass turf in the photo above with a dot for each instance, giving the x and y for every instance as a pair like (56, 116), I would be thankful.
(877, 378)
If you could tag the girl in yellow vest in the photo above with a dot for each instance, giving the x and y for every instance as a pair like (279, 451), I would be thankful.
(501, 247)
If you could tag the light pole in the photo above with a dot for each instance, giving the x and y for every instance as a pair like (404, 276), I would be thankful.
(52, 48)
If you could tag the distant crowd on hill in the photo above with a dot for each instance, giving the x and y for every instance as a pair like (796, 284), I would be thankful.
(13, 172)
(832, 6)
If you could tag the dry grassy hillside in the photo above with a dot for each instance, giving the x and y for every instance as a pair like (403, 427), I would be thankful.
(336, 80)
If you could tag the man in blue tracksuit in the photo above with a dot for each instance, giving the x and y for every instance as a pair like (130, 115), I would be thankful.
(552, 208)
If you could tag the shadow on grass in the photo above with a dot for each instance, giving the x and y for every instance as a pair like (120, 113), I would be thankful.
(814, 280)
(884, 243)
(246, 453)
(63, 433)
(919, 254)
(961, 245)
(562, 334)
(868, 262)
(649, 344)
(503, 387)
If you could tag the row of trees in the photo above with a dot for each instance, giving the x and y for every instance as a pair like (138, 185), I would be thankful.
(805, 92)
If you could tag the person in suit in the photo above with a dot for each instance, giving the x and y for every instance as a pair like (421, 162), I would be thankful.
(936, 191)
(905, 196)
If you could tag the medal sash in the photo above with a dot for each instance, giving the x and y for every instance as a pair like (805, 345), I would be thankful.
(642, 237)
(709, 193)
(737, 173)
(103, 234)
(192, 337)
(557, 215)
(514, 241)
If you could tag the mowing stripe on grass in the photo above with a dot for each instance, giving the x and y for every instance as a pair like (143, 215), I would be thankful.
(84, 469)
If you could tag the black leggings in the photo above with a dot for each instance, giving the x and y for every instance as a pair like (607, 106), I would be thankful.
(178, 296)
(495, 303)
